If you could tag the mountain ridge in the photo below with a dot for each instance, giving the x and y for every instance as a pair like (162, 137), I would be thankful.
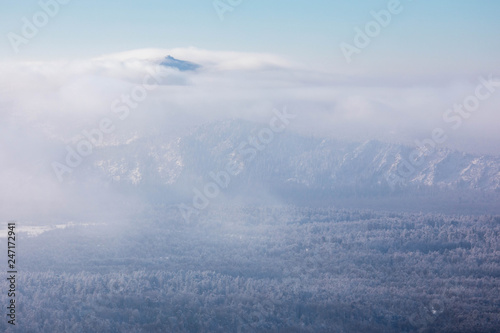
(290, 160)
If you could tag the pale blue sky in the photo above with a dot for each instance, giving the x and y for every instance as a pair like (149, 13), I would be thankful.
(460, 37)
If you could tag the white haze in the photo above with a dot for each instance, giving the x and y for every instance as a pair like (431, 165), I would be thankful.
(45, 105)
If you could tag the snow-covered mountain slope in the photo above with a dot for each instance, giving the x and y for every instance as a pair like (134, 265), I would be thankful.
(288, 160)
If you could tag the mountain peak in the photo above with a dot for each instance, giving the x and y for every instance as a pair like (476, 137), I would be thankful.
(181, 65)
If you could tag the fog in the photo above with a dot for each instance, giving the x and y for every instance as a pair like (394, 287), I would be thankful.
(46, 105)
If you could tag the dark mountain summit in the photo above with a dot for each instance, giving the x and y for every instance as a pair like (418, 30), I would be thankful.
(179, 64)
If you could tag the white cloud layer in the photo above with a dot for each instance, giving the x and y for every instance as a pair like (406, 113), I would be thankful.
(45, 105)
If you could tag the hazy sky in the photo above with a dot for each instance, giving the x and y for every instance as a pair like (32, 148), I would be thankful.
(422, 59)
(427, 37)
(398, 87)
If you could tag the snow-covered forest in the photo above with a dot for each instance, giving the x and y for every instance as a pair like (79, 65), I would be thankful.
(263, 269)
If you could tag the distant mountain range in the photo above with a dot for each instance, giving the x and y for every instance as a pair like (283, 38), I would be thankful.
(287, 162)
